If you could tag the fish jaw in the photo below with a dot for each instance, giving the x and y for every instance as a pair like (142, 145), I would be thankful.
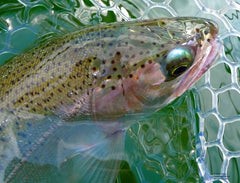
(203, 62)
(150, 89)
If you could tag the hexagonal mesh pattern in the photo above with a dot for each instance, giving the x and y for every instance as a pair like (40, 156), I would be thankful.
(216, 96)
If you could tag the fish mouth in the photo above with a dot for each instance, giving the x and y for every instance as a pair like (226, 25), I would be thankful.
(201, 65)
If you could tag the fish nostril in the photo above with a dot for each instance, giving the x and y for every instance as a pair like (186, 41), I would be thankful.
(199, 36)
(206, 31)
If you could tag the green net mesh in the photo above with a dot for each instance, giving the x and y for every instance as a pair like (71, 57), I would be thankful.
(194, 139)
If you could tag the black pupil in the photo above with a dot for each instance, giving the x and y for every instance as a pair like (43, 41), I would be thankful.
(180, 70)
(178, 60)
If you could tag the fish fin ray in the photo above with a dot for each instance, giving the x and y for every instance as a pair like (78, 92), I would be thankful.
(55, 143)
(101, 161)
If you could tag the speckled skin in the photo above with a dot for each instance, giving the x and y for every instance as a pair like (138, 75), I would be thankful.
(76, 74)
(76, 94)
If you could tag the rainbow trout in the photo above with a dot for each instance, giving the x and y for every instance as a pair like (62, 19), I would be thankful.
(74, 97)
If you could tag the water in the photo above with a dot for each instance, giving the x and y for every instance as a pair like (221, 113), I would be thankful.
(195, 130)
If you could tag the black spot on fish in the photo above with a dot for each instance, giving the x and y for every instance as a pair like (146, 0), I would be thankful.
(206, 32)
(69, 94)
(150, 61)
(94, 69)
(24, 135)
(163, 23)
(113, 87)
(39, 104)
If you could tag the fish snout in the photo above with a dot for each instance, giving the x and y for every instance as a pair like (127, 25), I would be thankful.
(207, 33)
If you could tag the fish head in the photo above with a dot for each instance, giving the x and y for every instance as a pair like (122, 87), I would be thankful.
(178, 52)
(180, 65)
(207, 47)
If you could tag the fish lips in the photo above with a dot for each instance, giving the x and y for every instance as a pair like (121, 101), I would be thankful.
(200, 66)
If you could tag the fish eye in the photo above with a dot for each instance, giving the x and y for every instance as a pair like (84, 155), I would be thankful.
(178, 60)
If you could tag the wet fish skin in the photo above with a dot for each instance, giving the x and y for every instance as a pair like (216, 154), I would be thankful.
(74, 96)
(73, 75)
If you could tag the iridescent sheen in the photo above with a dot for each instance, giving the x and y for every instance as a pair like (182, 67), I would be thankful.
(73, 97)
(179, 59)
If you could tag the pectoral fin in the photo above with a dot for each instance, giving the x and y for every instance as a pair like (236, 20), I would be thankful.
(58, 151)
